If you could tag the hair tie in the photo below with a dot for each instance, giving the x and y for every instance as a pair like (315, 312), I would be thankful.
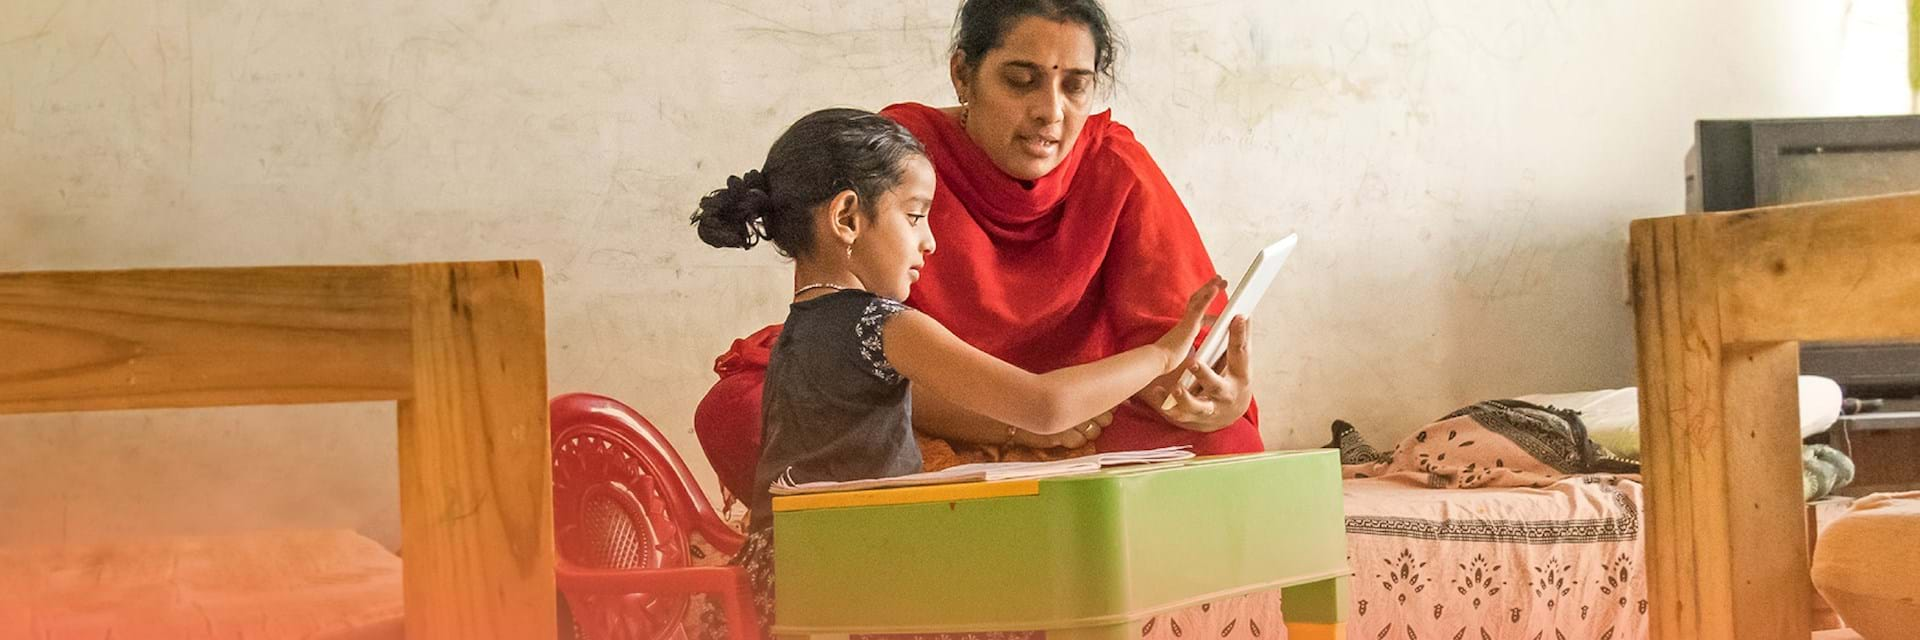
(755, 204)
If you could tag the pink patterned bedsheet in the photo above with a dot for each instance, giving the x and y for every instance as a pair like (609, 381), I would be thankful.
(315, 585)
(1251, 616)
(1562, 562)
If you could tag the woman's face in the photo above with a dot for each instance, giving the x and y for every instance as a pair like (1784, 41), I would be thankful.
(1026, 100)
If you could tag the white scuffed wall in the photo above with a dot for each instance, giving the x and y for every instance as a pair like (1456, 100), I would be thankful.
(1461, 175)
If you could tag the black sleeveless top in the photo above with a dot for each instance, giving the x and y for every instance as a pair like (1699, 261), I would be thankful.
(833, 408)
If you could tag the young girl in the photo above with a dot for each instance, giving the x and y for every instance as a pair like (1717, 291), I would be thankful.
(845, 193)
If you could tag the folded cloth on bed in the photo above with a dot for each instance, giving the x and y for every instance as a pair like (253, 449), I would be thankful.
(1612, 416)
(1497, 443)
(1823, 469)
(1514, 443)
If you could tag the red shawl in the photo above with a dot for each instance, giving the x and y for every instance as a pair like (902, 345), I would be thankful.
(1095, 258)
(1092, 259)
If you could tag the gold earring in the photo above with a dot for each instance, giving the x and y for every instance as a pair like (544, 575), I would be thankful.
(849, 251)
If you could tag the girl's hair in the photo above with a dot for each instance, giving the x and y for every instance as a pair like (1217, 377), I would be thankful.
(824, 153)
(983, 24)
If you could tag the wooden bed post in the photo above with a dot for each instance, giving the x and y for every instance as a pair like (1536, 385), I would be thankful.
(1721, 303)
(476, 489)
(461, 347)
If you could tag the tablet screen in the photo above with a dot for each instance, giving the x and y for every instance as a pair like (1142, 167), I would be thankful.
(1246, 295)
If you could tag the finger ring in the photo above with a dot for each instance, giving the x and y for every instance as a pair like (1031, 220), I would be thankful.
(1084, 428)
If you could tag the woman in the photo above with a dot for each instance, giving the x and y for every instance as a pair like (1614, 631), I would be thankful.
(1061, 242)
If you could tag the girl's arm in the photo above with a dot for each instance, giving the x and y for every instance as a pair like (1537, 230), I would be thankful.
(932, 357)
(936, 416)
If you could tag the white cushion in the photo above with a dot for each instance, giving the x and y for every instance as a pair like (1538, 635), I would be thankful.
(1612, 416)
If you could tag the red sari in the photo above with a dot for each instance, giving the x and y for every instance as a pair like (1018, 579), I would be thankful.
(1094, 258)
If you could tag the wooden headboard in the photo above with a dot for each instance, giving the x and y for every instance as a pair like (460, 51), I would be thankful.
(1722, 302)
(461, 347)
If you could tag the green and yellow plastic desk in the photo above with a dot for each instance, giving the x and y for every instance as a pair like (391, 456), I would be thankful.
(1071, 557)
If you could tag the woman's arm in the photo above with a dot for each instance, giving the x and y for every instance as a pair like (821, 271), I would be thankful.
(1155, 244)
(935, 359)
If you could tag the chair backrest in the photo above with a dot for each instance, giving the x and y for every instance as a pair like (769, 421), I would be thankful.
(622, 497)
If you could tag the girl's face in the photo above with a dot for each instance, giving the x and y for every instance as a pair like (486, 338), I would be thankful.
(888, 253)
(1026, 99)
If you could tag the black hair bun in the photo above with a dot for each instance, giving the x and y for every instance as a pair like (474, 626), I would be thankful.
(736, 216)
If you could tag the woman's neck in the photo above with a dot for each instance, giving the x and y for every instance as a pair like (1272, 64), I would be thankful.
(952, 115)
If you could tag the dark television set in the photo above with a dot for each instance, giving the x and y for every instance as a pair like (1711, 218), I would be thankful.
(1741, 164)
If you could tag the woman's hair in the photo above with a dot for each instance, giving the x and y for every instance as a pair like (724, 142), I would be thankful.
(983, 24)
(824, 153)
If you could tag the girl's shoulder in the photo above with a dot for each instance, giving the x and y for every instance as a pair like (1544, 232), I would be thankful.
(831, 314)
(843, 329)
(846, 299)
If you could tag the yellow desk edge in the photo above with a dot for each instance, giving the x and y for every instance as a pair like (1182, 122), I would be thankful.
(907, 495)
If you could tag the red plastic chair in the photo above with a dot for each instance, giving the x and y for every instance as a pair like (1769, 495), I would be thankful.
(623, 507)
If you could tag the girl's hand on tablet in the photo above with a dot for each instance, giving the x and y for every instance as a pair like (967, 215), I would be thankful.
(1217, 398)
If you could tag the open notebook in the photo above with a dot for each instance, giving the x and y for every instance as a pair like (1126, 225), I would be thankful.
(989, 471)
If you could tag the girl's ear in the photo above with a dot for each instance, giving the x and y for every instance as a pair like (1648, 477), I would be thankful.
(843, 217)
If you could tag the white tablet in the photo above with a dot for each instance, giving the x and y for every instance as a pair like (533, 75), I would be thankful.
(1246, 296)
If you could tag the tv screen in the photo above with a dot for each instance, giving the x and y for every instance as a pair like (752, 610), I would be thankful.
(1807, 175)
(1742, 164)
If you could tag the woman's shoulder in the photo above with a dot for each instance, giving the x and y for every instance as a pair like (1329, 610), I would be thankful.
(918, 118)
(899, 109)
(1118, 148)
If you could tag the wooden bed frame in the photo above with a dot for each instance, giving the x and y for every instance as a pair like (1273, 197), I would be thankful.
(1722, 302)
(461, 347)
